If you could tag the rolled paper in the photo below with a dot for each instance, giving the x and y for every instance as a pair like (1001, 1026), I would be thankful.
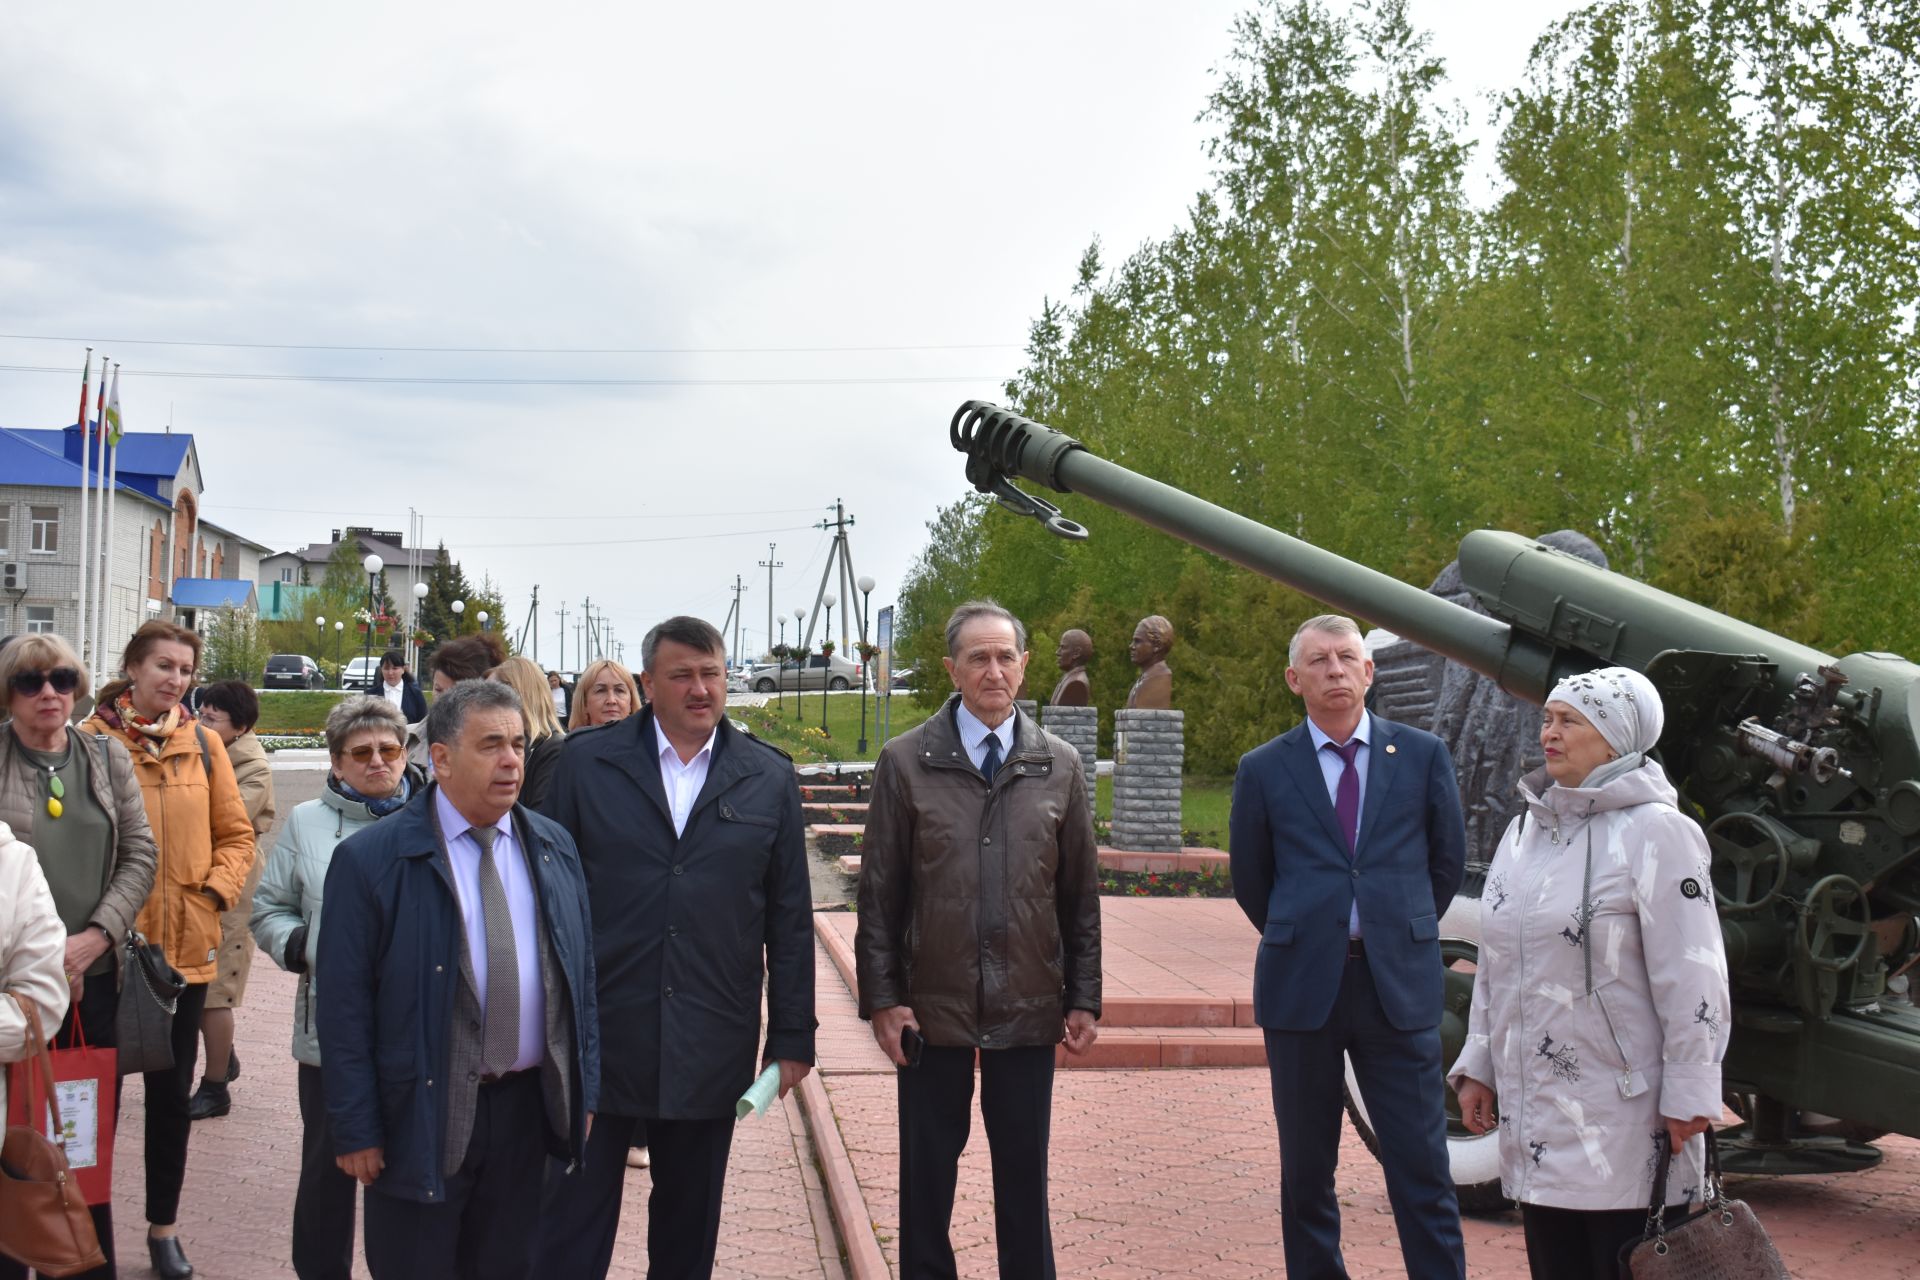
(760, 1094)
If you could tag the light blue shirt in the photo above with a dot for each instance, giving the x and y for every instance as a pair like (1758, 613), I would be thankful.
(463, 851)
(1331, 767)
(974, 735)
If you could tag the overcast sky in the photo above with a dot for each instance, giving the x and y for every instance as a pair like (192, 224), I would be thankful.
(892, 188)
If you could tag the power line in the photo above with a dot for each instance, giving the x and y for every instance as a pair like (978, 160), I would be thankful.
(624, 542)
(525, 351)
(491, 516)
(208, 375)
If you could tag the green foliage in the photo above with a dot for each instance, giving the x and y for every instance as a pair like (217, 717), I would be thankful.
(1684, 326)
(235, 648)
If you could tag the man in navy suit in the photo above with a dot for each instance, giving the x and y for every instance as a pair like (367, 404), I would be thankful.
(1348, 845)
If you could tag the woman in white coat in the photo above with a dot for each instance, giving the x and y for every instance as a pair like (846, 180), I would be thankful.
(1600, 1007)
(33, 947)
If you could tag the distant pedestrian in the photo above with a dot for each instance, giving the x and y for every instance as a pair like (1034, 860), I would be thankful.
(230, 708)
(462, 658)
(605, 692)
(691, 833)
(368, 780)
(398, 686)
(558, 692)
(459, 1042)
(979, 933)
(74, 798)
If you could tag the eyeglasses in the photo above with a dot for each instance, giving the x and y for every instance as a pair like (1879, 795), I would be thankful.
(389, 751)
(29, 683)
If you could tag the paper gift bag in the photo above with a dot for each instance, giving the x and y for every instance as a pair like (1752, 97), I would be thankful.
(84, 1079)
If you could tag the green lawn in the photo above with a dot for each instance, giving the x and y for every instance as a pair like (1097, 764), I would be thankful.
(1203, 808)
(295, 710)
(799, 734)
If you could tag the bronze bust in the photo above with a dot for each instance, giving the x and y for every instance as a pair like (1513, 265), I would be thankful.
(1152, 640)
(1073, 655)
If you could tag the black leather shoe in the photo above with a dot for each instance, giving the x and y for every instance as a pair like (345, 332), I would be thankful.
(233, 1066)
(209, 1100)
(169, 1259)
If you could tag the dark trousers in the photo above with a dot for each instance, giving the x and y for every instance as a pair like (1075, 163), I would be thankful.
(1578, 1244)
(168, 1094)
(936, 1115)
(99, 1002)
(483, 1230)
(581, 1212)
(324, 1202)
(1399, 1076)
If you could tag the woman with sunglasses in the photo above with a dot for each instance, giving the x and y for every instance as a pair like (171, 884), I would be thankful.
(74, 798)
(366, 738)
(205, 845)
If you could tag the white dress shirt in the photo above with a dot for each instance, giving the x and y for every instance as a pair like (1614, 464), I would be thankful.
(396, 693)
(1331, 767)
(974, 734)
(682, 780)
(463, 851)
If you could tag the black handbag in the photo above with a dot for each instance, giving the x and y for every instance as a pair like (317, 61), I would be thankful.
(1722, 1240)
(150, 991)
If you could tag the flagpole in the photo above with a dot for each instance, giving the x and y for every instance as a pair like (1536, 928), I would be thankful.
(112, 497)
(86, 458)
(99, 519)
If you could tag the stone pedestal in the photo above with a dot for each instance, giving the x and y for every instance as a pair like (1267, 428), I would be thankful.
(1080, 726)
(1029, 706)
(1149, 749)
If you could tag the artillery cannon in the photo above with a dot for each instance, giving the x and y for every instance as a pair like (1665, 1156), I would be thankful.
(1803, 768)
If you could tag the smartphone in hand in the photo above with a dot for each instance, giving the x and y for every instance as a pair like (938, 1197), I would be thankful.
(912, 1045)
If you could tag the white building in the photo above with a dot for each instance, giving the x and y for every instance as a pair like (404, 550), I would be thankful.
(158, 536)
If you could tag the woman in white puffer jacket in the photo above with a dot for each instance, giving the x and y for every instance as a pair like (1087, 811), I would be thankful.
(33, 945)
(1600, 1006)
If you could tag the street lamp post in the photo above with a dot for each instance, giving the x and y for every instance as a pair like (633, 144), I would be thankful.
(799, 616)
(779, 665)
(413, 626)
(321, 640)
(373, 565)
(481, 617)
(866, 599)
(459, 607)
(826, 669)
(339, 629)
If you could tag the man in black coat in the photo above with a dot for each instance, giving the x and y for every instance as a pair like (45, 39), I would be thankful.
(691, 836)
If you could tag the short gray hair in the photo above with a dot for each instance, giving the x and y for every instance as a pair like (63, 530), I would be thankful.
(355, 715)
(974, 610)
(448, 715)
(1331, 624)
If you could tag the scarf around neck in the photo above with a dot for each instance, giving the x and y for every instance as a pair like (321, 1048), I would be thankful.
(150, 734)
(378, 808)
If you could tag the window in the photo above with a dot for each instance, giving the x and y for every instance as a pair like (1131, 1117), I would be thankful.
(39, 620)
(46, 528)
(286, 574)
(6, 530)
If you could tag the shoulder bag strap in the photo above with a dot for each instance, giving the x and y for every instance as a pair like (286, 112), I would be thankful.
(37, 1054)
(206, 756)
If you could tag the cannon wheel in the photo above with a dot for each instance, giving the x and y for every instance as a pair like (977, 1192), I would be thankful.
(1475, 1157)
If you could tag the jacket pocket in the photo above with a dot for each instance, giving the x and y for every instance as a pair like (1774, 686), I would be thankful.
(1278, 933)
(1424, 928)
(1631, 1082)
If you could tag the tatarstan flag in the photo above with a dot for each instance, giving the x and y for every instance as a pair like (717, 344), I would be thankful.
(86, 374)
(113, 411)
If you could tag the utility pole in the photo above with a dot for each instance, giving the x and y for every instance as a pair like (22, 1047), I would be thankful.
(592, 650)
(770, 564)
(562, 611)
(838, 557)
(739, 589)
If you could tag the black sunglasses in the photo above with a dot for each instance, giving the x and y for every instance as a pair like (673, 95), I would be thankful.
(29, 683)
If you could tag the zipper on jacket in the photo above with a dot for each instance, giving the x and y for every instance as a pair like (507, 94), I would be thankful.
(1626, 1067)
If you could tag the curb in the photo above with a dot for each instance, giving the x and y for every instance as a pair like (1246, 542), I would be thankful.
(844, 1198)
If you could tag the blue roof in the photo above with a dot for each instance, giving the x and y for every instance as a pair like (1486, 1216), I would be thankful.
(212, 593)
(31, 455)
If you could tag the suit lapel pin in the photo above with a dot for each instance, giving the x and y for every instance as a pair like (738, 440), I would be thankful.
(1389, 748)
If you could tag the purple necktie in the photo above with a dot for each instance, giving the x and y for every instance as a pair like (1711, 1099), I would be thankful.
(1346, 800)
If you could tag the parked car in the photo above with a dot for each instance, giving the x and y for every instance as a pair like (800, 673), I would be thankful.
(292, 671)
(902, 679)
(362, 673)
(841, 674)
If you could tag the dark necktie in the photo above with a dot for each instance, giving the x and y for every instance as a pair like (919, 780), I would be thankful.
(1346, 799)
(990, 763)
(500, 1044)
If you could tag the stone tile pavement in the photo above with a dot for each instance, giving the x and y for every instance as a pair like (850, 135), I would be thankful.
(237, 1207)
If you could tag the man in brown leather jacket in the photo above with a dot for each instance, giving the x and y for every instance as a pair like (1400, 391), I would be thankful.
(979, 930)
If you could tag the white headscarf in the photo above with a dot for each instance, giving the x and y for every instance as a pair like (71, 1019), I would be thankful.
(1624, 706)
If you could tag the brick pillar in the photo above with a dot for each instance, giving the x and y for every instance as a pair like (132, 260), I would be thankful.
(1080, 726)
(1149, 748)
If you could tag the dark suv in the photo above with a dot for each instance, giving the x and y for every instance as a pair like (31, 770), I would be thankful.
(293, 671)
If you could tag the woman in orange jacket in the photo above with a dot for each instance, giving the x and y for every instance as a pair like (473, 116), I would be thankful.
(205, 846)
